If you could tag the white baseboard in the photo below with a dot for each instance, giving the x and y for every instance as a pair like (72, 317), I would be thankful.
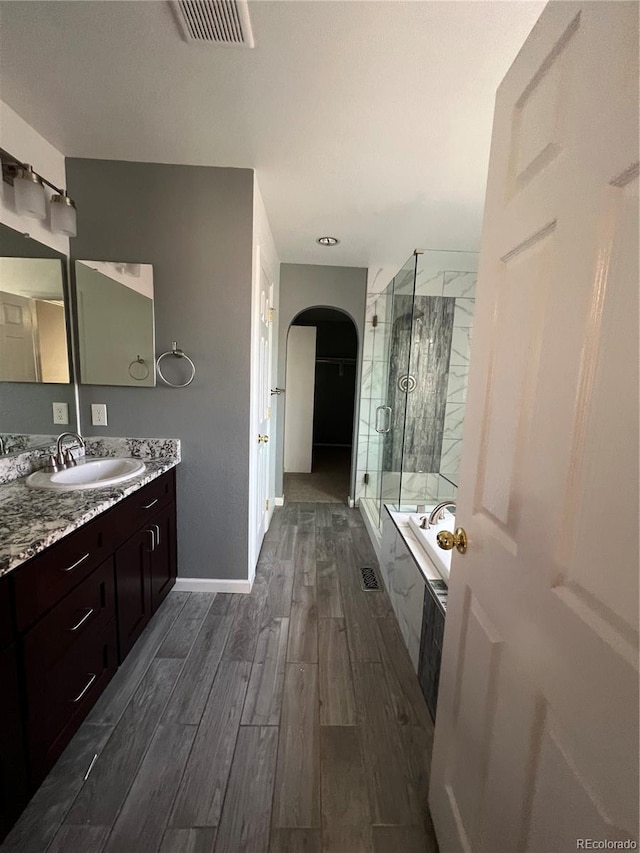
(279, 501)
(212, 585)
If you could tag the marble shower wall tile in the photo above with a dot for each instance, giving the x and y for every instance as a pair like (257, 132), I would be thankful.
(460, 346)
(460, 284)
(450, 461)
(457, 385)
(463, 316)
(429, 285)
(446, 489)
(453, 420)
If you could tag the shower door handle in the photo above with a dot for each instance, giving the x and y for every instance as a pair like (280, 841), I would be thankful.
(378, 428)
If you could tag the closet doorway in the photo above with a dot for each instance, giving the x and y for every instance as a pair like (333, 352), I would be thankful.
(322, 349)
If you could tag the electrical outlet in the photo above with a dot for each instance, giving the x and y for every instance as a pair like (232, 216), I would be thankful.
(60, 413)
(99, 414)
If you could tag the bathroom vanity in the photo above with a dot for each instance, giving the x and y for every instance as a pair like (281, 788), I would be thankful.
(81, 574)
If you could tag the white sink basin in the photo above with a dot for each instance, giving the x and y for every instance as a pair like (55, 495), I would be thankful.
(427, 539)
(88, 474)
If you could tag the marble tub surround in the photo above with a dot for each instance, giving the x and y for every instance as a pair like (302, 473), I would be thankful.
(33, 519)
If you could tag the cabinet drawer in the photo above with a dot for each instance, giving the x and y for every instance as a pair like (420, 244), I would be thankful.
(47, 578)
(140, 507)
(93, 601)
(71, 686)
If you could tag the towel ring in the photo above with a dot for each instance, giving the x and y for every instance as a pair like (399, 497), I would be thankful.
(177, 353)
(139, 360)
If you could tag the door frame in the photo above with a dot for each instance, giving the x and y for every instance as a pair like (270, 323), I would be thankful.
(281, 424)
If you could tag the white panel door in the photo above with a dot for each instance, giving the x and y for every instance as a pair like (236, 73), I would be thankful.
(262, 336)
(299, 399)
(536, 742)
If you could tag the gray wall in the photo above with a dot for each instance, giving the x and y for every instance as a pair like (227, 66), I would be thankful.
(195, 226)
(305, 286)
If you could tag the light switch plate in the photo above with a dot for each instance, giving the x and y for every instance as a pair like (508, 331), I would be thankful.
(60, 413)
(99, 414)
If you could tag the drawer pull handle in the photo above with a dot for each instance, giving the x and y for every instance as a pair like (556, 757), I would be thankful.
(92, 678)
(83, 620)
(76, 564)
(153, 503)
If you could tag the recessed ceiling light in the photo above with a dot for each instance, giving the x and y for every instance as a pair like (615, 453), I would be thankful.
(328, 241)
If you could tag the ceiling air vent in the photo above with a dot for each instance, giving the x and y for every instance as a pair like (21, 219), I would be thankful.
(224, 22)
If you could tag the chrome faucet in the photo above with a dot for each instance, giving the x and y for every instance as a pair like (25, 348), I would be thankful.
(65, 459)
(436, 514)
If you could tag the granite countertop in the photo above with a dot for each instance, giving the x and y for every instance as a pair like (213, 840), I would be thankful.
(33, 519)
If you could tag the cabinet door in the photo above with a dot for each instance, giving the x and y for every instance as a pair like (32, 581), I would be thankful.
(133, 588)
(163, 558)
(13, 772)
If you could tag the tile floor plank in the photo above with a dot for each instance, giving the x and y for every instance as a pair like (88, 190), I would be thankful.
(295, 841)
(390, 795)
(350, 839)
(241, 644)
(280, 589)
(102, 795)
(408, 839)
(43, 816)
(404, 686)
(196, 840)
(264, 697)
(303, 626)
(192, 690)
(201, 791)
(323, 515)
(297, 789)
(178, 642)
(110, 706)
(244, 825)
(325, 544)
(143, 819)
(305, 558)
(344, 783)
(80, 839)
(329, 591)
(337, 701)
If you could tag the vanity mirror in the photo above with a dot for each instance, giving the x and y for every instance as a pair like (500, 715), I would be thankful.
(114, 303)
(35, 364)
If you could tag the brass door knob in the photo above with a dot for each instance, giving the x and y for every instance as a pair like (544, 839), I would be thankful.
(447, 540)
(263, 439)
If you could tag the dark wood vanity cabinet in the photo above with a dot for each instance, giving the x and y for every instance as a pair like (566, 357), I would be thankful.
(13, 760)
(68, 617)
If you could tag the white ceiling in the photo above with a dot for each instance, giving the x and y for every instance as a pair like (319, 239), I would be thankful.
(369, 121)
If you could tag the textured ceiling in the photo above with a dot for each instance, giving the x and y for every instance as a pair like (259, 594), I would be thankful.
(367, 121)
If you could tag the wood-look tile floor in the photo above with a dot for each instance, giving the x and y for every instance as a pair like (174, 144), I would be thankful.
(285, 721)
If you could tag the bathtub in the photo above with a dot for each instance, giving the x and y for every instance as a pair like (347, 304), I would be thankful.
(440, 558)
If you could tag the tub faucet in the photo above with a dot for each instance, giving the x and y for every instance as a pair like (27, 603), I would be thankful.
(437, 513)
(64, 459)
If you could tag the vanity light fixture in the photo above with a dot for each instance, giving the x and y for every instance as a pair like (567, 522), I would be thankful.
(29, 195)
(328, 241)
(64, 219)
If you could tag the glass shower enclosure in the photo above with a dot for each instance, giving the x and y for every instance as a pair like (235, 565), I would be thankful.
(414, 382)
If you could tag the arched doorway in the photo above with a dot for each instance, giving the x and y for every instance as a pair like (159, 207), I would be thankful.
(322, 350)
